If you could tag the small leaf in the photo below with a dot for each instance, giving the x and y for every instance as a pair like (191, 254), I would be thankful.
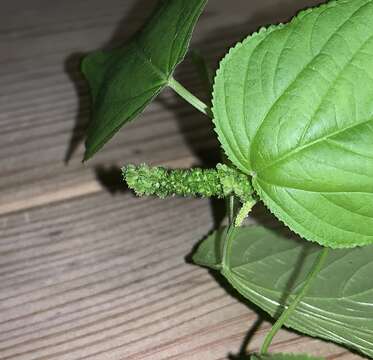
(123, 81)
(284, 356)
(293, 107)
(266, 267)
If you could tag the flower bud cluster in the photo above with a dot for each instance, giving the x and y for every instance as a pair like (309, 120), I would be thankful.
(159, 181)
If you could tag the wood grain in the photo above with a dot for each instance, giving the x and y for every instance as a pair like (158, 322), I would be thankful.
(87, 271)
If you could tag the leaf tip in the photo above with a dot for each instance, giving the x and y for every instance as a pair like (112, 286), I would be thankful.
(88, 153)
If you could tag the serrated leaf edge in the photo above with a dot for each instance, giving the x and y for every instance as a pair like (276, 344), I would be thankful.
(222, 62)
(289, 222)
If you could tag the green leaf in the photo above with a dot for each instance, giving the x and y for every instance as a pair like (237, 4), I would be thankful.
(284, 356)
(123, 81)
(210, 251)
(293, 107)
(269, 268)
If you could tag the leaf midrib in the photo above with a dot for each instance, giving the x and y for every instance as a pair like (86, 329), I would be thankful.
(306, 66)
(310, 144)
(319, 298)
(141, 53)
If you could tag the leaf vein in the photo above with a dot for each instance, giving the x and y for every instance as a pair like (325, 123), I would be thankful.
(320, 218)
(271, 183)
(312, 143)
(330, 88)
(345, 208)
(305, 67)
(337, 144)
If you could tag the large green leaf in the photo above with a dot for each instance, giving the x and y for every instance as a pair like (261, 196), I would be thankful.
(123, 81)
(293, 107)
(269, 268)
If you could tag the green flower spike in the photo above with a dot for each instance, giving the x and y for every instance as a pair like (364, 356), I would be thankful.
(159, 181)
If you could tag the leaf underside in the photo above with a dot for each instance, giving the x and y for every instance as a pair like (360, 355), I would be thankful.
(266, 265)
(123, 81)
(293, 106)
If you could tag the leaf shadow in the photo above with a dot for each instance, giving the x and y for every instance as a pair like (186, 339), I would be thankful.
(72, 69)
(126, 28)
(242, 354)
(110, 177)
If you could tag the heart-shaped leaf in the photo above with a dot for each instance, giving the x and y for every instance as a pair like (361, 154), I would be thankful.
(269, 268)
(123, 81)
(293, 107)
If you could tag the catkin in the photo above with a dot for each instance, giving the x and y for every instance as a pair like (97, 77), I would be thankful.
(159, 181)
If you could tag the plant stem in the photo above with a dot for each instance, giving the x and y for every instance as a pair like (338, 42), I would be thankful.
(231, 203)
(288, 312)
(189, 97)
(227, 247)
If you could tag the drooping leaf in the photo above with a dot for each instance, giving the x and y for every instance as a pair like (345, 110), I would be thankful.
(284, 356)
(123, 81)
(269, 268)
(293, 107)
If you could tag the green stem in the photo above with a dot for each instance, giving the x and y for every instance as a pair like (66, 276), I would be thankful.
(229, 235)
(189, 97)
(231, 203)
(289, 311)
(227, 248)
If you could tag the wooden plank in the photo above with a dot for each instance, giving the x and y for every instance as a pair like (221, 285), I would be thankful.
(105, 277)
(87, 271)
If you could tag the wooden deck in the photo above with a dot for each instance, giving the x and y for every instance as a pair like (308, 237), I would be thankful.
(88, 271)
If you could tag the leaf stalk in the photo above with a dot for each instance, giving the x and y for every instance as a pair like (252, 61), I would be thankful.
(189, 97)
(289, 311)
